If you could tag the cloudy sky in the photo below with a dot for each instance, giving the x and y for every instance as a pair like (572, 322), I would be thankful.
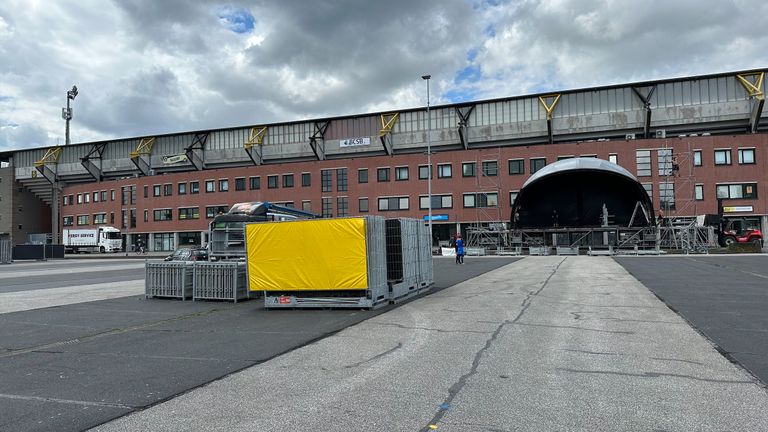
(147, 67)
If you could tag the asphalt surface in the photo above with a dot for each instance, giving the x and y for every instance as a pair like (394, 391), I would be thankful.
(723, 297)
(542, 344)
(76, 366)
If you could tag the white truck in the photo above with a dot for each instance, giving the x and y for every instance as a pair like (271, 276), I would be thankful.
(101, 239)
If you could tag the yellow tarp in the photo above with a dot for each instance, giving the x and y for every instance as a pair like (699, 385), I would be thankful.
(308, 255)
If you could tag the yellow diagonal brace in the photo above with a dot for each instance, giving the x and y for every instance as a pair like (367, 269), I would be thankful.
(549, 107)
(51, 156)
(144, 147)
(387, 123)
(755, 90)
(257, 136)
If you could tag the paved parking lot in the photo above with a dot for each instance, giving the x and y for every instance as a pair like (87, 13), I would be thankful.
(74, 366)
(723, 297)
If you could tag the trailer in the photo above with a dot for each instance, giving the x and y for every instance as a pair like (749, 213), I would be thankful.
(101, 239)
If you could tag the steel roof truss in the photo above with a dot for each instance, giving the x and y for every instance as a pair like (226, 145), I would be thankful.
(196, 151)
(319, 148)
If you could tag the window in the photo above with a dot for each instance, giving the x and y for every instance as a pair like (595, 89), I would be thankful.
(87, 197)
(736, 191)
(468, 169)
(82, 220)
(272, 182)
(194, 187)
(287, 180)
(189, 213)
(112, 218)
(667, 195)
(103, 196)
(438, 202)
(746, 156)
(71, 200)
(643, 158)
(362, 175)
(163, 242)
(723, 157)
(112, 195)
(163, 214)
(168, 190)
(513, 197)
(537, 164)
(146, 215)
(66, 200)
(342, 206)
(99, 218)
(306, 206)
(223, 185)
(342, 184)
(79, 198)
(565, 157)
(490, 168)
(327, 208)
(362, 205)
(698, 192)
(423, 172)
(254, 183)
(613, 158)
(393, 203)
(444, 171)
(240, 184)
(649, 190)
(212, 211)
(146, 191)
(306, 179)
(326, 181)
(156, 190)
(401, 173)
(481, 200)
(697, 158)
(96, 195)
(664, 161)
(516, 166)
(210, 186)
(382, 174)
(67, 221)
(182, 188)
(189, 238)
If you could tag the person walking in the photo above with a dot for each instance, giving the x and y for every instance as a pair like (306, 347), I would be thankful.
(459, 249)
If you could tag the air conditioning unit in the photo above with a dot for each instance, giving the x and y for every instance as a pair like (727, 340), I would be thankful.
(629, 136)
(661, 133)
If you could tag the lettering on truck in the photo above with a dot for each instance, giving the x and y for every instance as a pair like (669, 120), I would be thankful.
(82, 235)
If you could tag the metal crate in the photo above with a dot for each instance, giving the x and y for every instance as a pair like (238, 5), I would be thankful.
(426, 276)
(219, 281)
(168, 279)
(402, 239)
(5, 249)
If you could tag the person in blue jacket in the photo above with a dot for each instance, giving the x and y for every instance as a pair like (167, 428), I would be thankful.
(459, 249)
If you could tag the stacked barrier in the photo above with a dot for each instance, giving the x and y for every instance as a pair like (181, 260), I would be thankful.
(335, 263)
(5, 250)
(168, 279)
(403, 258)
(426, 276)
(219, 281)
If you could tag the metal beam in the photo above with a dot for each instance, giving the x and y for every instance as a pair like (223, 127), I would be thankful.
(549, 102)
(196, 151)
(97, 150)
(464, 113)
(646, 99)
(141, 157)
(319, 148)
(753, 84)
(254, 144)
(385, 133)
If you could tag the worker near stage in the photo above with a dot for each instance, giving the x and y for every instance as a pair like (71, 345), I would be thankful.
(459, 245)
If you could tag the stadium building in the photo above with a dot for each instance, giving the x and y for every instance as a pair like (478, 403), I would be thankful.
(687, 141)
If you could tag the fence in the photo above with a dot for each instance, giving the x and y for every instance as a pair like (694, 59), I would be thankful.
(219, 281)
(426, 276)
(403, 258)
(168, 279)
(5, 250)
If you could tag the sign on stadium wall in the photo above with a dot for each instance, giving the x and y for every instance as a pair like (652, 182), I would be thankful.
(353, 142)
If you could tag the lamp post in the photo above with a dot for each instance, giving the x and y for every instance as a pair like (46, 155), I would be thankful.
(429, 160)
(66, 114)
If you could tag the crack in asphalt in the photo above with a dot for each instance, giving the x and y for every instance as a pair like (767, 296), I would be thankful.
(376, 357)
(66, 401)
(654, 375)
(454, 390)
(428, 329)
(576, 328)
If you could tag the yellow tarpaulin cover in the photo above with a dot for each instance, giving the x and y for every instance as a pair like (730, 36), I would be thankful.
(308, 255)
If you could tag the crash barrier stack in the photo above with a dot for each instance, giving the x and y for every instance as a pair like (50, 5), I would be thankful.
(538, 250)
(567, 250)
(5, 250)
(426, 276)
(327, 263)
(402, 238)
(168, 279)
(219, 281)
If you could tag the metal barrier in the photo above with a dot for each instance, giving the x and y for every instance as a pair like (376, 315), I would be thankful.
(5, 251)
(219, 281)
(538, 250)
(402, 258)
(168, 279)
(567, 250)
(426, 274)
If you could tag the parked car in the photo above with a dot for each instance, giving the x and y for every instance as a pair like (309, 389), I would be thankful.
(188, 254)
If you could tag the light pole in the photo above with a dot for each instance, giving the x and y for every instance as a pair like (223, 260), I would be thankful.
(66, 114)
(429, 160)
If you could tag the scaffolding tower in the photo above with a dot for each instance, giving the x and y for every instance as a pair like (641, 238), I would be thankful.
(489, 232)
